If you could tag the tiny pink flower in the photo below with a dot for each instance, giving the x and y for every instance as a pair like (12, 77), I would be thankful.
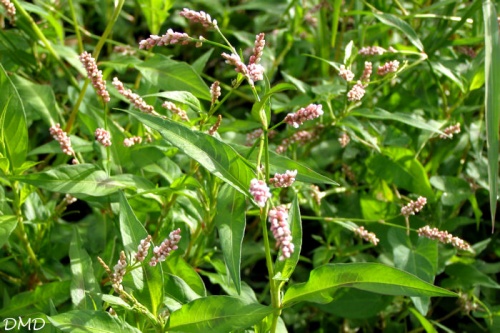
(367, 72)
(135, 99)
(176, 110)
(259, 191)
(284, 180)
(258, 48)
(310, 112)
(443, 237)
(414, 207)
(234, 60)
(129, 142)
(371, 50)
(169, 38)
(450, 130)
(103, 137)
(10, 10)
(346, 74)
(119, 271)
(200, 17)
(367, 236)
(256, 72)
(64, 141)
(357, 92)
(278, 217)
(388, 67)
(95, 75)
(344, 140)
(143, 248)
(160, 253)
(215, 91)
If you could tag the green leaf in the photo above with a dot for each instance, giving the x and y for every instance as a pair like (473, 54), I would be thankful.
(285, 268)
(147, 280)
(155, 12)
(181, 97)
(74, 179)
(399, 166)
(217, 314)
(216, 156)
(258, 106)
(492, 99)
(13, 129)
(439, 67)
(402, 26)
(84, 321)
(84, 287)
(7, 224)
(324, 281)
(22, 303)
(455, 190)
(279, 163)
(178, 290)
(356, 304)
(177, 266)
(171, 75)
(230, 220)
(426, 324)
(408, 119)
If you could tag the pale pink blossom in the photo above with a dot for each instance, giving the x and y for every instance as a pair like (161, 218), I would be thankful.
(310, 112)
(357, 92)
(367, 236)
(129, 142)
(119, 271)
(234, 60)
(260, 192)
(367, 72)
(95, 75)
(160, 253)
(215, 126)
(284, 180)
(103, 137)
(443, 237)
(450, 130)
(215, 91)
(64, 141)
(345, 73)
(143, 248)
(414, 207)
(200, 17)
(169, 38)
(278, 217)
(256, 72)
(344, 140)
(371, 50)
(133, 98)
(10, 10)
(388, 67)
(258, 48)
(176, 110)
(300, 137)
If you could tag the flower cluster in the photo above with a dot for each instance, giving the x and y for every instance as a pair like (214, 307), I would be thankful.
(300, 137)
(69, 199)
(388, 67)
(346, 74)
(252, 136)
(371, 50)
(278, 217)
(357, 92)
(344, 140)
(133, 97)
(64, 141)
(450, 130)
(260, 192)
(143, 248)
(443, 237)
(200, 17)
(95, 75)
(367, 72)
(119, 272)
(129, 142)
(169, 38)
(160, 253)
(254, 71)
(235, 60)
(103, 137)
(414, 207)
(284, 180)
(175, 109)
(215, 126)
(366, 235)
(215, 91)
(310, 112)
(10, 9)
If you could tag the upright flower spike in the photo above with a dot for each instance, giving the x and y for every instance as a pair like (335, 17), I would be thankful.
(199, 17)
(215, 91)
(234, 60)
(215, 126)
(345, 73)
(278, 218)
(103, 137)
(443, 237)
(367, 72)
(284, 180)
(169, 38)
(388, 67)
(133, 98)
(119, 272)
(95, 75)
(64, 141)
(257, 49)
(143, 248)
(10, 10)
(260, 192)
(310, 112)
(357, 92)
(414, 207)
(160, 253)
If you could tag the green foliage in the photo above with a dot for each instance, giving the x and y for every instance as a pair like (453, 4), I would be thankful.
(168, 227)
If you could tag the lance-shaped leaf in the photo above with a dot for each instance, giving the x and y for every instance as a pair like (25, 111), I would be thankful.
(217, 314)
(324, 281)
(77, 321)
(402, 26)
(216, 156)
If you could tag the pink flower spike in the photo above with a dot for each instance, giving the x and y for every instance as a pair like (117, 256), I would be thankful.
(176, 110)
(10, 10)
(103, 137)
(356, 93)
(169, 38)
(215, 91)
(414, 207)
(450, 130)
(443, 237)
(160, 253)
(234, 60)
(200, 17)
(95, 75)
(388, 67)
(284, 180)
(129, 142)
(135, 99)
(212, 130)
(367, 72)
(64, 141)
(371, 50)
(310, 112)
(257, 49)
(143, 248)
(278, 217)
(367, 236)
(346, 74)
(260, 192)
